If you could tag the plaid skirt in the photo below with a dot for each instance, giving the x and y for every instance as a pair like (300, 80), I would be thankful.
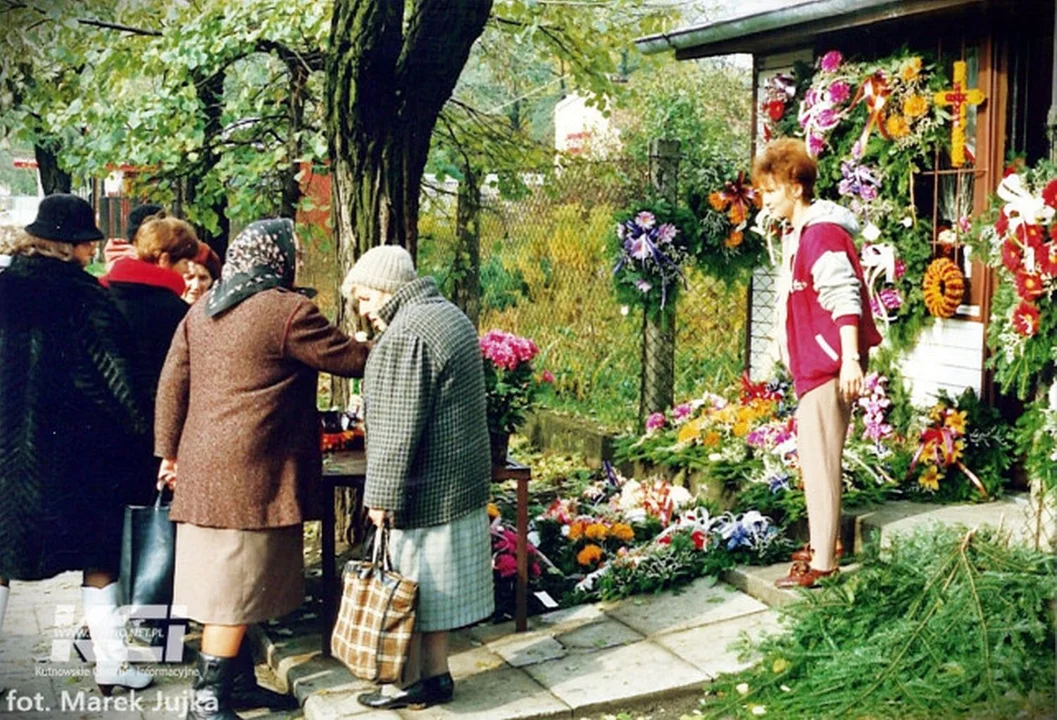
(453, 566)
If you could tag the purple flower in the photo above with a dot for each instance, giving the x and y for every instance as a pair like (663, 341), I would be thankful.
(666, 233)
(868, 193)
(857, 149)
(681, 412)
(645, 220)
(778, 482)
(891, 298)
(838, 92)
(655, 422)
(640, 248)
(643, 286)
(831, 61)
(826, 119)
(815, 144)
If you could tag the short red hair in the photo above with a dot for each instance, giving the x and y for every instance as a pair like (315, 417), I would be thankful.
(786, 161)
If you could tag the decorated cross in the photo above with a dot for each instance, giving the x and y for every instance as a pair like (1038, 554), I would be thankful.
(959, 98)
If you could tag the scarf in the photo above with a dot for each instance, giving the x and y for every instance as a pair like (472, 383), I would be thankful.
(262, 257)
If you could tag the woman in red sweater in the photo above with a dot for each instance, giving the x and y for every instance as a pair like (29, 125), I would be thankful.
(825, 332)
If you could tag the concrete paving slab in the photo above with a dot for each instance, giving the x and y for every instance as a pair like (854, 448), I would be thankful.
(567, 619)
(758, 581)
(486, 632)
(527, 648)
(702, 602)
(472, 661)
(502, 694)
(340, 706)
(708, 647)
(598, 636)
(607, 678)
(904, 516)
(320, 674)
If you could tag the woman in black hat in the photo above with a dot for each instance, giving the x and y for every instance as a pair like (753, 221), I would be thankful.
(73, 417)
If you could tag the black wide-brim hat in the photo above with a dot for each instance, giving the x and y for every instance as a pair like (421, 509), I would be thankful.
(65, 218)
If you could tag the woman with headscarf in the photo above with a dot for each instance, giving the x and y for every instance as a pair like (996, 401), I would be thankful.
(237, 429)
(201, 273)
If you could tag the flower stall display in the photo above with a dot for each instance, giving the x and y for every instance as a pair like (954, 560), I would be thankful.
(510, 385)
(652, 246)
(872, 126)
(962, 451)
(943, 287)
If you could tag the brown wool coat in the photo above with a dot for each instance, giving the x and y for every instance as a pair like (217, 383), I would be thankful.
(236, 407)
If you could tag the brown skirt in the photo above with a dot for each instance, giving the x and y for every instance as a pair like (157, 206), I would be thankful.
(237, 577)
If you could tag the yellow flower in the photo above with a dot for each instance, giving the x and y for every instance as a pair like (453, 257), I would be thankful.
(596, 531)
(622, 532)
(930, 479)
(741, 428)
(897, 127)
(936, 413)
(493, 511)
(712, 439)
(956, 421)
(956, 453)
(690, 431)
(915, 106)
(589, 555)
(910, 69)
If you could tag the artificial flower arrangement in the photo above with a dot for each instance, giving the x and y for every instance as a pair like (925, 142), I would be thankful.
(511, 383)
(652, 247)
(1018, 237)
(963, 450)
(872, 125)
(728, 249)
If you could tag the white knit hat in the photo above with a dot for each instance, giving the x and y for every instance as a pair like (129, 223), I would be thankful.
(386, 267)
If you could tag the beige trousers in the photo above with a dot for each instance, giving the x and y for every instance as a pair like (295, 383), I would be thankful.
(822, 425)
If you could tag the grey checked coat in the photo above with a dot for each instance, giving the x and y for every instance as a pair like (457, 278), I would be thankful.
(428, 458)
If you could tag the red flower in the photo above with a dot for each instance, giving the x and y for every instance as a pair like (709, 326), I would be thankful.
(1049, 194)
(1002, 224)
(666, 540)
(505, 565)
(1011, 255)
(1053, 231)
(1046, 258)
(699, 539)
(1031, 235)
(1029, 285)
(1026, 319)
(776, 109)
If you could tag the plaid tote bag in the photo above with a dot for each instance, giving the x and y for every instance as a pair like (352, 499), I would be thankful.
(376, 617)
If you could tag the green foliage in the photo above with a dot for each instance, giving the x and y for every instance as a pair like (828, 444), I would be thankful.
(944, 623)
(1036, 438)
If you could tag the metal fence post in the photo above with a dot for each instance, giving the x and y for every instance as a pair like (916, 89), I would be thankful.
(659, 335)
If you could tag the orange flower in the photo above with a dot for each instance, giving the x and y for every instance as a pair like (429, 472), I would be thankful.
(596, 531)
(716, 201)
(734, 239)
(737, 214)
(590, 555)
(576, 529)
(493, 511)
(897, 127)
(910, 69)
(622, 532)
(915, 106)
(712, 439)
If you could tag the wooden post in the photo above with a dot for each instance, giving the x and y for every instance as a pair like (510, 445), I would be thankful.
(659, 336)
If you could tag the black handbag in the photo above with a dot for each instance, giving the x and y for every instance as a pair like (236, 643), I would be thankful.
(148, 554)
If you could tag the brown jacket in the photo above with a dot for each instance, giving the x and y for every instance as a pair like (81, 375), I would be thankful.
(237, 408)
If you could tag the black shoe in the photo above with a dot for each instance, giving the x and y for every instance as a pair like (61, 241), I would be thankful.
(431, 691)
(246, 694)
(211, 692)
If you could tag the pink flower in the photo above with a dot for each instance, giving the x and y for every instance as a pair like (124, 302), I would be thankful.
(640, 248)
(666, 233)
(681, 412)
(827, 119)
(901, 269)
(645, 220)
(547, 377)
(815, 144)
(831, 61)
(643, 286)
(839, 92)
(506, 565)
(655, 422)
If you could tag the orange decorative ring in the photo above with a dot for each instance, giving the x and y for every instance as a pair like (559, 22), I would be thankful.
(943, 287)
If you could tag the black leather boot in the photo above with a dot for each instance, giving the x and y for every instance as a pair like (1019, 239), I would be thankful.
(211, 692)
(246, 694)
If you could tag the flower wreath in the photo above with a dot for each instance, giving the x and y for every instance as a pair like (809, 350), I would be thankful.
(943, 287)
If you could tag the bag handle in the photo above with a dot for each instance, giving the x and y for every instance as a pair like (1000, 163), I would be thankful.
(381, 548)
(158, 498)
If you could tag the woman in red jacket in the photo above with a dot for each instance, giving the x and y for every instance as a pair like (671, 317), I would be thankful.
(825, 332)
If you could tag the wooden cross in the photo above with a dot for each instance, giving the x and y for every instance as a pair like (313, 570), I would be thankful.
(959, 98)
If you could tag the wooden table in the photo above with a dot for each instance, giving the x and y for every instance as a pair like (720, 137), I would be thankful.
(348, 470)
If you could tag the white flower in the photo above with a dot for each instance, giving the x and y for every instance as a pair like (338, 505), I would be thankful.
(759, 710)
(624, 309)
(871, 232)
(565, 530)
(907, 222)
(742, 688)
(680, 496)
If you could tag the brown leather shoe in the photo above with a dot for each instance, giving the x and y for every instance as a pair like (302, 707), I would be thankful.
(802, 575)
(805, 553)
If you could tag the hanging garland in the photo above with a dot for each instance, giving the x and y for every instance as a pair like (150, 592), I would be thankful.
(943, 287)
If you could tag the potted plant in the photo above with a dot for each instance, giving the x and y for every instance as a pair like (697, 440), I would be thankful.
(510, 385)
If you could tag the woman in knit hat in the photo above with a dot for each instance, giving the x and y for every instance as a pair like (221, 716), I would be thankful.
(428, 461)
(237, 429)
(73, 422)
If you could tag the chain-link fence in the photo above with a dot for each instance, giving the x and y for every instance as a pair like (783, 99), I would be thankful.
(546, 272)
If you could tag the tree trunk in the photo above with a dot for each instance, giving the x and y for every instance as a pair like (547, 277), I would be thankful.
(466, 267)
(384, 92)
(210, 95)
(53, 179)
(295, 113)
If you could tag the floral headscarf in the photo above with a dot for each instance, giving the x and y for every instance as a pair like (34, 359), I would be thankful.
(263, 256)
